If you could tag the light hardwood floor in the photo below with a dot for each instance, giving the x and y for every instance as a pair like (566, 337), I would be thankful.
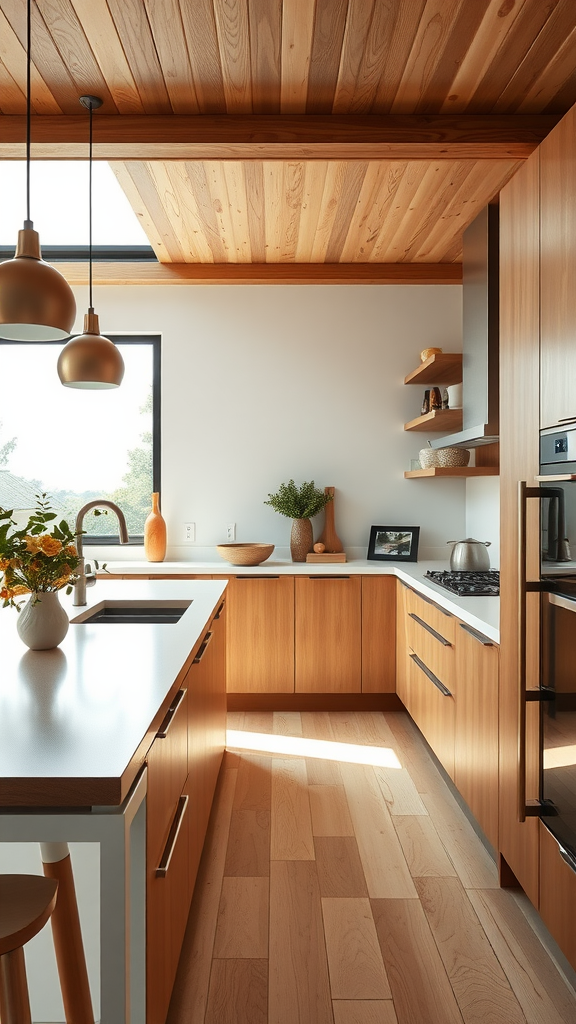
(333, 892)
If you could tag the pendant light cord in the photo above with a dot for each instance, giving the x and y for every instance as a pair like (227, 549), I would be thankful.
(91, 308)
(28, 222)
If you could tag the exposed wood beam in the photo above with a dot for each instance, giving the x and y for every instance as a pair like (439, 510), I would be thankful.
(288, 137)
(263, 273)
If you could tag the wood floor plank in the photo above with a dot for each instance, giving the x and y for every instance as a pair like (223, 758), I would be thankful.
(316, 725)
(329, 809)
(364, 1011)
(248, 852)
(422, 848)
(474, 865)
(291, 823)
(537, 984)
(420, 987)
(399, 791)
(323, 773)
(286, 723)
(242, 929)
(299, 990)
(413, 754)
(254, 785)
(383, 861)
(258, 721)
(354, 956)
(340, 872)
(375, 729)
(190, 993)
(238, 992)
(481, 988)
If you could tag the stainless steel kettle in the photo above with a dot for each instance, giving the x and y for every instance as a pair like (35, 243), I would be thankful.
(469, 555)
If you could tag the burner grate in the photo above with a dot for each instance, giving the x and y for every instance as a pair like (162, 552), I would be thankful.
(468, 584)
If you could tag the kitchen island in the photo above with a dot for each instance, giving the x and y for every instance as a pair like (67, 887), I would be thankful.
(85, 735)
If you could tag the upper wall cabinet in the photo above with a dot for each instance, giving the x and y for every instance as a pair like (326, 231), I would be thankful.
(557, 261)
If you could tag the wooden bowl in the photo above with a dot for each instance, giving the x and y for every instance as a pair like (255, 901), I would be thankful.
(244, 554)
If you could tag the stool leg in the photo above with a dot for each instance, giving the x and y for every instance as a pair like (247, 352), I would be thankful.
(67, 935)
(14, 1001)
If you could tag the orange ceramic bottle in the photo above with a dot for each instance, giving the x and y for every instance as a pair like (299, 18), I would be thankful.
(155, 532)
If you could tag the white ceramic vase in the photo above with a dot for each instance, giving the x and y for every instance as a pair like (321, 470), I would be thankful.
(42, 624)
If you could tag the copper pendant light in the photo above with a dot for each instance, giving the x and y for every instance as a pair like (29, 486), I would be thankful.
(36, 302)
(90, 361)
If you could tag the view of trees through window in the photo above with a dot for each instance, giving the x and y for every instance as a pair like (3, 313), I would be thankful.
(78, 445)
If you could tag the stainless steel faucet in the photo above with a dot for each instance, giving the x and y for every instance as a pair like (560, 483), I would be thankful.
(83, 581)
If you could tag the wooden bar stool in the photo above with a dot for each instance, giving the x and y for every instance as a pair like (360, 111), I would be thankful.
(26, 903)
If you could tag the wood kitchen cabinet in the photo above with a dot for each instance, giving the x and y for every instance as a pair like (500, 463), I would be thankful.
(260, 634)
(476, 730)
(557, 261)
(378, 634)
(328, 634)
(557, 894)
(183, 766)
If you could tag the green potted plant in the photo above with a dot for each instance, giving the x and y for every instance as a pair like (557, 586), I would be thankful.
(299, 504)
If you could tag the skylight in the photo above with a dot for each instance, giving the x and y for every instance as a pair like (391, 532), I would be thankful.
(59, 204)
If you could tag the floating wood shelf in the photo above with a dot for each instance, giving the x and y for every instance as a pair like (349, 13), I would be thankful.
(442, 368)
(439, 419)
(417, 474)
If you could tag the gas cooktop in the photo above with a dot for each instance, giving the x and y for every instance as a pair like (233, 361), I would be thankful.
(468, 584)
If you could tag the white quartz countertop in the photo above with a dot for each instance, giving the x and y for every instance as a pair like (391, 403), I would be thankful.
(482, 613)
(84, 714)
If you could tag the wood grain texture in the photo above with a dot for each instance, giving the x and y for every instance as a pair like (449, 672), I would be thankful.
(519, 460)
(354, 957)
(420, 987)
(340, 872)
(382, 858)
(480, 985)
(291, 824)
(242, 930)
(300, 994)
(260, 653)
(329, 810)
(399, 792)
(378, 634)
(557, 889)
(238, 992)
(474, 865)
(422, 847)
(328, 634)
(360, 1011)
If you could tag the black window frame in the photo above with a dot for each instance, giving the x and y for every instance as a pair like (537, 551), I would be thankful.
(101, 540)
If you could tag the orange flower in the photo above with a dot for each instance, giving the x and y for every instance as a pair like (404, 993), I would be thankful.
(50, 546)
(32, 544)
(70, 551)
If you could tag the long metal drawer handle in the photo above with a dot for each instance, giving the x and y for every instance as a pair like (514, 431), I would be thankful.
(202, 650)
(433, 679)
(329, 577)
(162, 869)
(437, 636)
(220, 610)
(258, 576)
(477, 636)
(524, 493)
(170, 716)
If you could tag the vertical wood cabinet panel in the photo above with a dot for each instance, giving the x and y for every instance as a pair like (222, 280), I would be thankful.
(402, 674)
(519, 460)
(378, 634)
(476, 743)
(557, 894)
(328, 634)
(260, 634)
(558, 258)
(433, 712)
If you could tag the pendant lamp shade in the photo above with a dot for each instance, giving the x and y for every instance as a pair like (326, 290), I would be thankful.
(90, 361)
(36, 302)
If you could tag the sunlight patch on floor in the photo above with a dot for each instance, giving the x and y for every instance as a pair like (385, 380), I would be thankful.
(297, 746)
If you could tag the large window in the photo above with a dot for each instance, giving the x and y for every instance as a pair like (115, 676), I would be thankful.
(77, 445)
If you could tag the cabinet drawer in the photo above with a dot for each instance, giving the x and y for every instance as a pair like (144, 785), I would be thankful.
(167, 772)
(440, 620)
(167, 906)
(432, 710)
(432, 647)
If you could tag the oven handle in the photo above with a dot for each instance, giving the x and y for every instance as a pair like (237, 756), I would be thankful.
(524, 494)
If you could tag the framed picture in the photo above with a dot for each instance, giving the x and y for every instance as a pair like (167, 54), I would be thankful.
(394, 543)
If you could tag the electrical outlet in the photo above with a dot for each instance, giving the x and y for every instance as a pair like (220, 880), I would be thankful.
(231, 531)
(189, 533)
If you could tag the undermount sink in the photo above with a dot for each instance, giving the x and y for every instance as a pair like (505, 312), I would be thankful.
(134, 611)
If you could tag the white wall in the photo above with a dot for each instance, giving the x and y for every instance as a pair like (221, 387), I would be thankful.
(483, 513)
(264, 383)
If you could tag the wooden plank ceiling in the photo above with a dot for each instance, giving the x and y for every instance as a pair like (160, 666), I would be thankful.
(296, 133)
